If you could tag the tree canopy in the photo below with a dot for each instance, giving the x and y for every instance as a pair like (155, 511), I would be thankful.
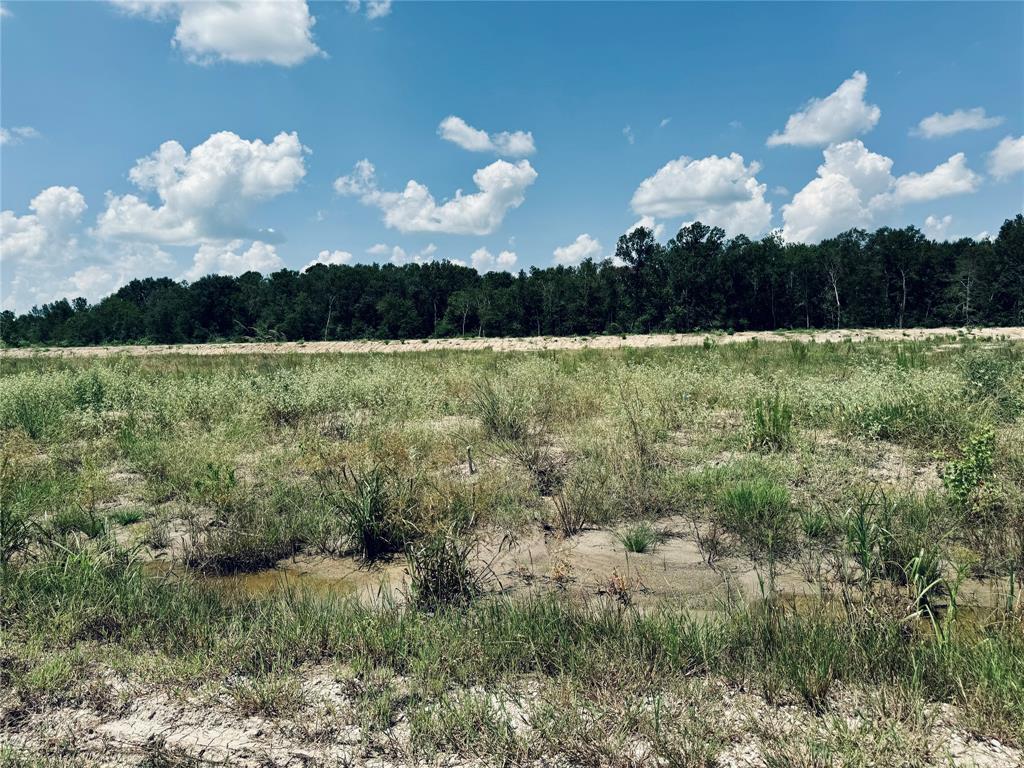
(698, 280)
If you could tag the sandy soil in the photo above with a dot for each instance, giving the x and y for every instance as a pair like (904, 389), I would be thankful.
(130, 722)
(524, 344)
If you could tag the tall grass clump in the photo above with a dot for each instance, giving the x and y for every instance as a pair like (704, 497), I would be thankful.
(374, 512)
(440, 571)
(770, 424)
(504, 414)
(761, 514)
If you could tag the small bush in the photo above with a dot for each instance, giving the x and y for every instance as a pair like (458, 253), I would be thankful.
(963, 477)
(271, 695)
(640, 538)
(770, 424)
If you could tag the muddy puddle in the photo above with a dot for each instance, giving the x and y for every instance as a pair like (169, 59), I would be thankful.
(592, 564)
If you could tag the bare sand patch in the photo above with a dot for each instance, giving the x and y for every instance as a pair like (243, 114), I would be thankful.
(519, 344)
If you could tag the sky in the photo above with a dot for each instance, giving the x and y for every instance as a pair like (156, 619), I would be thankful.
(187, 138)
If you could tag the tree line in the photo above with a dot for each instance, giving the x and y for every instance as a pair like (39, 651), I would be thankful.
(699, 280)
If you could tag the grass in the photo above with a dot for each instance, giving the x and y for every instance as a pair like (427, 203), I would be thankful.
(640, 538)
(877, 485)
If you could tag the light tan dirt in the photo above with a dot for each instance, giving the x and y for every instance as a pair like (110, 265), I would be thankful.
(523, 344)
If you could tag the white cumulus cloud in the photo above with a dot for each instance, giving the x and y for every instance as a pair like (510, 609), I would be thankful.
(649, 222)
(205, 193)
(856, 188)
(46, 234)
(508, 144)
(956, 121)
(45, 256)
(583, 247)
(229, 259)
(375, 9)
(330, 258)
(841, 115)
(952, 177)
(398, 255)
(502, 187)
(1007, 158)
(255, 31)
(936, 228)
(483, 261)
(720, 191)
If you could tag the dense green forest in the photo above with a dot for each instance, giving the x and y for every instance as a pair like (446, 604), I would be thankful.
(699, 280)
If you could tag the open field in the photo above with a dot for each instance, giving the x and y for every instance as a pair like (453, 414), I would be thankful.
(689, 551)
(522, 344)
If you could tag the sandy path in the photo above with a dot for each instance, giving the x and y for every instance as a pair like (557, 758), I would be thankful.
(522, 344)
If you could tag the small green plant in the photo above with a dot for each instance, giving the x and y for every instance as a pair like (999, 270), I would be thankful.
(640, 538)
(770, 424)
(814, 523)
(15, 533)
(965, 476)
(862, 537)
(128, 516)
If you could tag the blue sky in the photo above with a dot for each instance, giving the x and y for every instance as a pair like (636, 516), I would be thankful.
(572, 122)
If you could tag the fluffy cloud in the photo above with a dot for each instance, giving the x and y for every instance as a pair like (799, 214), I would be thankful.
(44, 258)
(502, 187)
(206, 193)
(458, 131)
(483, 261)
(46, 234)
(721, 191)
(841, 115)
(649, 222)
(112, 270)
(256, 31)
(398, 255)
(1007, 158)
(952, 177)
(17, 134)
(230, 259)
(936, 228)
(855, 188)
(955, 122)
(583, 247)
(330, 258)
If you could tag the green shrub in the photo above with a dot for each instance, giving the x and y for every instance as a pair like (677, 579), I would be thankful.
(964, 477)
